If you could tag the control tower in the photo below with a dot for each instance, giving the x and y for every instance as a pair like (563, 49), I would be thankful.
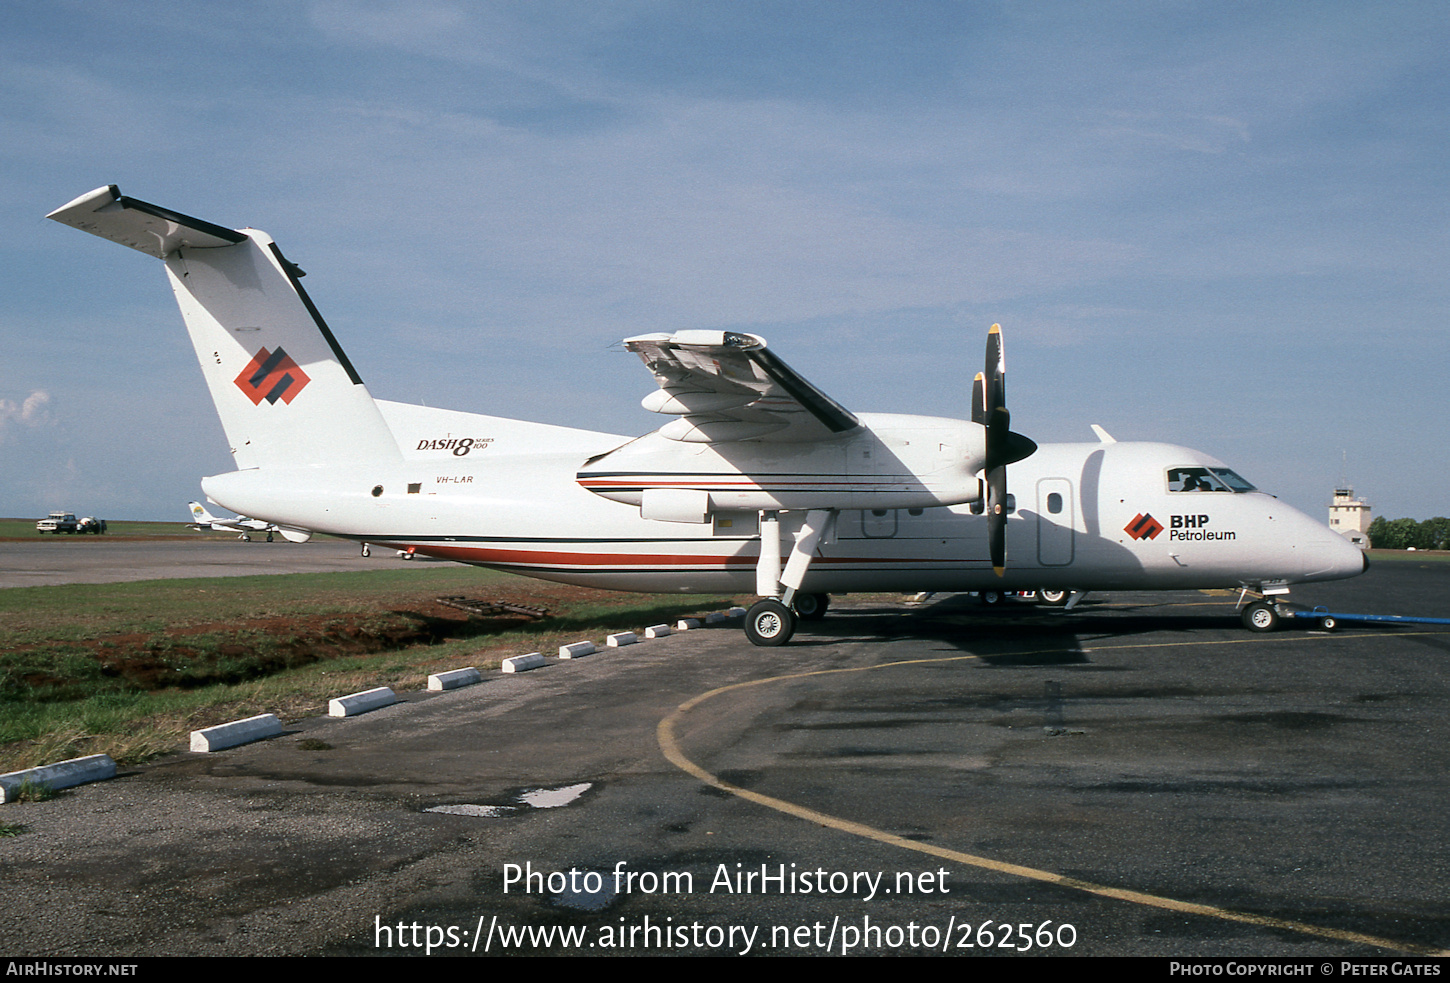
(1350, 517)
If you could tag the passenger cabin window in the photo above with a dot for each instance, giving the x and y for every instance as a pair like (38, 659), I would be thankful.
(1206, 480)
(1054, 503)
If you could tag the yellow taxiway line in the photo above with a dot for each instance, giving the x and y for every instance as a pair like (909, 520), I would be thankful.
(665, 733)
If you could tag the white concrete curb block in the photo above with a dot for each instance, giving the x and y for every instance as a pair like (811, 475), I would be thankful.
(576, 651)
(76, 771)
(237, 732)
(735, 613)
(685, 624)
(523, 663)
(454, 678)
(621, 638)
(356, 703)
(715, 617)
(656, 631)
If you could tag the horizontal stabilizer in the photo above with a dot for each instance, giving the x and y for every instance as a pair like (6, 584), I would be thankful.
(153, 230)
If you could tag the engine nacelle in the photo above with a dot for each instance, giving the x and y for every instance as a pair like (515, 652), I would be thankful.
(889, 462)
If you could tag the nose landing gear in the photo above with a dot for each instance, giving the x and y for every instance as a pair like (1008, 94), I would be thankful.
(1261, 616)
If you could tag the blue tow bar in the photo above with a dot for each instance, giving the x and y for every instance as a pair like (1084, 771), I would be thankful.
(1329, 619)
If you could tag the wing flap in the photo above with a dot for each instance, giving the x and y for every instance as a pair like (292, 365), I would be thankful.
(726, 386)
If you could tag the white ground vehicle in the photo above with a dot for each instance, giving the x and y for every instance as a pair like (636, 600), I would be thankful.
(58, 522)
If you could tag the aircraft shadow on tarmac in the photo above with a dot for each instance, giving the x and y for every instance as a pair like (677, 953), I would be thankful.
(1010, 634)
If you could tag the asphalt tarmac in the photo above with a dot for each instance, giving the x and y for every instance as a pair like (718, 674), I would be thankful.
(1141, 777)
(98, 560)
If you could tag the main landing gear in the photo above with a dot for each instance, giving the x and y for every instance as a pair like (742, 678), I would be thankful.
(772, 620)
(811, 607)
(769, 622)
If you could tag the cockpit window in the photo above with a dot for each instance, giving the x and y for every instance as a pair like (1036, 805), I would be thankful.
(1231, 479)
(1206, 480)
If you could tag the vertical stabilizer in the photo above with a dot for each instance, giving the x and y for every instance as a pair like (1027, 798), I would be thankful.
(285, 391)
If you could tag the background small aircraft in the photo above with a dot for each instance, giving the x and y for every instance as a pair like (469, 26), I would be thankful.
(757, 463)
(204, 521)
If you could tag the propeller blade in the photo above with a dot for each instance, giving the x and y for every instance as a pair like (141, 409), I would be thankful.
(997, 519)
(989, 408)
(995, 370)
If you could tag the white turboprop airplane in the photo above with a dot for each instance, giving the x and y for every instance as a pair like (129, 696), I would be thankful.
(757, 457)
(204, 521)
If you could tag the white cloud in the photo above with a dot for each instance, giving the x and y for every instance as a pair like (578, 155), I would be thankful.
(29, 412)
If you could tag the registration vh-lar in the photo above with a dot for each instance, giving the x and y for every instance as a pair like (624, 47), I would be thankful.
(758, 482)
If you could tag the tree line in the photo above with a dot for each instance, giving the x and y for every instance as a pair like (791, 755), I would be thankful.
(1401, 534)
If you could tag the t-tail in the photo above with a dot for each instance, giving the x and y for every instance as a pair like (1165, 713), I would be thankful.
(285, 391)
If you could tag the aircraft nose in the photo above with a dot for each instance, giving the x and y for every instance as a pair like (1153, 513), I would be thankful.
(1346, 559)
(1326, 555)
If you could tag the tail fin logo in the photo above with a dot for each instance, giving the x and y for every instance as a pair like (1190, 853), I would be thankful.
(272, 376)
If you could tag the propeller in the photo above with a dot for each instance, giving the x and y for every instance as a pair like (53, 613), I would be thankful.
(989, 408)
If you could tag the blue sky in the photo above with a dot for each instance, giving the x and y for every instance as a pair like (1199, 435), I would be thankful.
(1217, 224)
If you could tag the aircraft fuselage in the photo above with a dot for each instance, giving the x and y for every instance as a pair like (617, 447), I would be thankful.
(1090, 516)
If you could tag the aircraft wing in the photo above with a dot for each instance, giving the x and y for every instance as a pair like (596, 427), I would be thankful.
(726, 386)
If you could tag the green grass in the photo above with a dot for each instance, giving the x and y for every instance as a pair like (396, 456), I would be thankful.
(74, 612)
(13, 529)
(25, 529)
(33, 792)
(208, 660)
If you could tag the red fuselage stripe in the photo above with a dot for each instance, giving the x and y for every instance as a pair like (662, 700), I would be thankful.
(484, 554)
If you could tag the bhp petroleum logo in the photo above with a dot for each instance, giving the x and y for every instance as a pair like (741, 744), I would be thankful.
(272, 376)
(1143, 526)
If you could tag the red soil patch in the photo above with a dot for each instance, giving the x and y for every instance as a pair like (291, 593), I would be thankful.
(235, 651)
